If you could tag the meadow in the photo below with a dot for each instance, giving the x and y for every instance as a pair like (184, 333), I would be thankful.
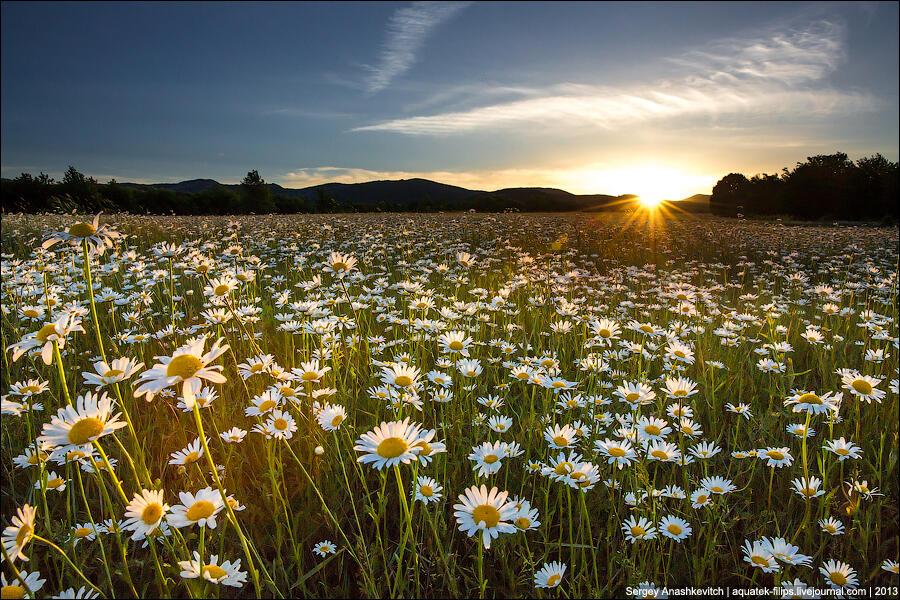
(442, 405)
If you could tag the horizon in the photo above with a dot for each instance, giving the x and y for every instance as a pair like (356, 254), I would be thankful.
(468, 94)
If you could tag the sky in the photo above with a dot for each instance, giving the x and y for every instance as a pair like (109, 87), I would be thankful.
(645, 98)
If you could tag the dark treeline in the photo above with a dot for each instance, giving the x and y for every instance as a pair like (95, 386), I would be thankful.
(79, 193)
(828, 186)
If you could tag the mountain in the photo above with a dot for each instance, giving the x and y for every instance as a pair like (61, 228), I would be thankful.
(418, 193)
(698, 203)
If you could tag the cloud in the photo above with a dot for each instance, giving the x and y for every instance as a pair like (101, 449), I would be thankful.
(779, 72)
(407, 30)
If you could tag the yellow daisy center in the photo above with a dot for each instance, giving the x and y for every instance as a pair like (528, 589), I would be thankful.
(661, 454)
(561, 440)
(523, 522)
(717, 489)
(563, 468)
(632, 397)
(701, 499)
(862, 386)
(25, 532)
(842, 451)
(605, 333)
(426, 490)
(31, 312)
(775, 454)
(309, 376)
(837, 578)
(221, 289)
(55, 483)
(201, 509)
(617, 452)
(679, 393)
(31, 389)
(184, 366)
(280, 424)
(214, 571)
(652, 430)
(455, 345)
(12, 591)
(392, 447)
(679, 353)
(191, 457)
(646, 328)
(637, 531)
(82, 230)
(486, 513)
(45, 332)
(760, 560)
(83, 532)
(114, 373)
(403, 380)
(151, 513)
(84, 430)
(266, 405)
(491, 459)
(553, 580)
(809, 399)
(674, 529)
(337, 420)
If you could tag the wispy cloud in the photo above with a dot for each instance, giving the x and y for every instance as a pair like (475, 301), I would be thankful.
(782, 71)
(407, 31)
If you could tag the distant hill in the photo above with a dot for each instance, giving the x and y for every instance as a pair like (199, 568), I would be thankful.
(698, 203)
(208, 196)
(413, 191)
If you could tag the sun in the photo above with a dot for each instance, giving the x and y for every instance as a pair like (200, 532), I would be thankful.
(649, 202)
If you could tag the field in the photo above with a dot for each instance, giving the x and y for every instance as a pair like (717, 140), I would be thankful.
(321, 405)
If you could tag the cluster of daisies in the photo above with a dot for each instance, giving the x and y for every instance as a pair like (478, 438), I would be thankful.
(514, 368)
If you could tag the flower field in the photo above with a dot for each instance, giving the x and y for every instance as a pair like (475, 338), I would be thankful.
(448, 405)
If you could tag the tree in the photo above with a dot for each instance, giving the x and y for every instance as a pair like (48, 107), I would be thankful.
(729, 195)
(256, 197)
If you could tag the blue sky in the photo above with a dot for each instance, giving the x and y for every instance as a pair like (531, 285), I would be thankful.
(615, 98)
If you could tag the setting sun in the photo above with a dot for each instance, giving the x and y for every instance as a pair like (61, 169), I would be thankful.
(649, 201)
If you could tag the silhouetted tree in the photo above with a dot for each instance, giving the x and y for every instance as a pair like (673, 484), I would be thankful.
(256, 196)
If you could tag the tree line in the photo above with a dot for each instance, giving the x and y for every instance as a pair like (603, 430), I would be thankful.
(826, 186)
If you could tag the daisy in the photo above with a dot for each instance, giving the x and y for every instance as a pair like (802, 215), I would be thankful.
(487, 458)
(310, 372)
(28, 388)
(701, 498)
(674, 528)
(635, 394)
(17, 535)
(808, 489)
(75, 427)
(427, 490)
(843, 449)
(839, 575)
(389, 444)
(144, 513)
(638, 528)
(831, 526)
(550, 575)
(455, 342)
(428, 447)
(188, 366)
(469, 367)
(97, 237)
(663, 451)
(786, 552)
(618, 453)
(776, 457)
(717, 485)
(401, 376)
(200, 508)
(228, 573)
(331, 417)
(264, 403)
(526, 518)
(280, 425)
(324, 548)
(340, 264)
(560, 437)
(759, 555)
(486, 511)
(85, 531)
(45, 337)
(813, 403)
(109, 373)
(53, 482)
(23, 586)
(189, 455)
(680, 388)
(863, 387)
(891, 566)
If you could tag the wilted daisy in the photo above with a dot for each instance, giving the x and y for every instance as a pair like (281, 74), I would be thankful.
(228, 573)
(485, 511)
(389, 444)
(188, 366)
(75, 427)
(550, 575)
